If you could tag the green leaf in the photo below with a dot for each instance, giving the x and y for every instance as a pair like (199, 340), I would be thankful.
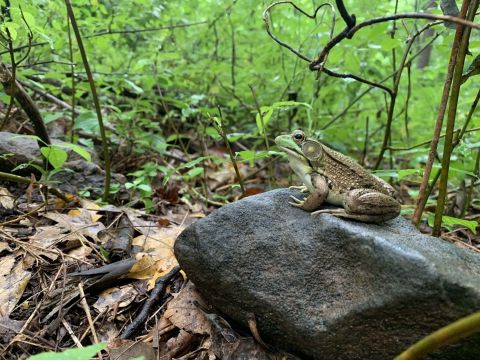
(265, 118)
(136, 89)
(193, 162)
(449, 222)
(85, 353)
(12, 29)
(213, 133)
(51, 116)
(54, 155)
(77, 149)
(145, 187)
(87, 121)
(194, 172)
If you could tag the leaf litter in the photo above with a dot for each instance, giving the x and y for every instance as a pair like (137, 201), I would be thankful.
(117, 255)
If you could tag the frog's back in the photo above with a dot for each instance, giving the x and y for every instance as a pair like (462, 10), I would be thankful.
(346, 174)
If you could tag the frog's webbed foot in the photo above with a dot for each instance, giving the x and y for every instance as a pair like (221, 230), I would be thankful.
(302, 188)
(296, 202)
(336, 212)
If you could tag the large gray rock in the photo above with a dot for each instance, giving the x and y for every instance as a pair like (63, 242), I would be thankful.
(327, 288)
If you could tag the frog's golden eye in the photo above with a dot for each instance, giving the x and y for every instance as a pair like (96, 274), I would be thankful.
(312, 150)
(298, 136)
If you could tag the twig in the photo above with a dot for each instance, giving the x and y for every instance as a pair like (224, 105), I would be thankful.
(25, 180)
(71, 333)
(154, 297)
(49, 97)
(86, 309)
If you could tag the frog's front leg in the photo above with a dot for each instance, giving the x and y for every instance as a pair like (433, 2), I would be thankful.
(315, 198)
(301, 188)
(366, 205)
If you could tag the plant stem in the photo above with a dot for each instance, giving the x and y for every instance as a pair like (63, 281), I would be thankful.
(421, 200)
(83, 53)
(223, 134)
(446, 335)
(452, 112)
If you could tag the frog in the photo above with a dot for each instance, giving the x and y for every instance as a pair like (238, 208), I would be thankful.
(333, 178)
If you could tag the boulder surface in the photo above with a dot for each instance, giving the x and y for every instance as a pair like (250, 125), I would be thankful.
(327, 288)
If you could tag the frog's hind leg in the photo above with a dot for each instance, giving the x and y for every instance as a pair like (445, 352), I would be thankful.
(366, 205)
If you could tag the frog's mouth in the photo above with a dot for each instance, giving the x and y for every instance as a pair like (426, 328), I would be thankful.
(293, 155)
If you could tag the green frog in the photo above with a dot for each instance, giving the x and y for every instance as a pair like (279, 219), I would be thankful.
(336, 179)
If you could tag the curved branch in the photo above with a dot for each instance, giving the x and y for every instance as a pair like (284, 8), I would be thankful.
(277, 40)
(349, 20)
(317, 63)
(358, 78)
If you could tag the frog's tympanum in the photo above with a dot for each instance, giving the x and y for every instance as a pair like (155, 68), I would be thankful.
(336, 179)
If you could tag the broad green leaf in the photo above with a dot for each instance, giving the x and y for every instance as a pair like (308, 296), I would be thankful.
(87, 121)
(194, 172)
(77, 149)
(54, 155)
(50, 117)
(449, 222)
(145, 187)
(251, 156)
(85, 353)
(213, 133)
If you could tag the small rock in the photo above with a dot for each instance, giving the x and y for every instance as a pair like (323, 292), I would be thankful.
(327, 288)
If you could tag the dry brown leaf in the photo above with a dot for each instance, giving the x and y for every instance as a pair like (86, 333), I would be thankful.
(182, 312)
(13, 281)
(128, 349)
(7, 201)
(79, 253)
(88, 211)
(41, 244)
(143, 226)
(82, 223)
(157, 257)
(119, 296)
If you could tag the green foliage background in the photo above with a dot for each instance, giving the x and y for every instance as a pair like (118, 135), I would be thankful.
(187, 71)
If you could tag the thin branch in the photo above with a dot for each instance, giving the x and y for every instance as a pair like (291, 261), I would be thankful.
(137, 31)
(110, 32)
(358, 78)
(316, 64)
(285, 45)
(452, 112)
(422, 194)
(83, 53)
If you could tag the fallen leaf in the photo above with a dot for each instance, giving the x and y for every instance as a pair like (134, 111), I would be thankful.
(119, 296)
(13, 281)
(157, 257)
(128, 349)
(182, 312)
(7, 200)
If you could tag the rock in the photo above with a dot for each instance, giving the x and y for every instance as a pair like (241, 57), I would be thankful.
(77, 174)
(19, 149)
(16, 150)
(327, 288)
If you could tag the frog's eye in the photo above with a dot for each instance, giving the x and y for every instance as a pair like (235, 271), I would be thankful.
(298, 136)
(312, 150)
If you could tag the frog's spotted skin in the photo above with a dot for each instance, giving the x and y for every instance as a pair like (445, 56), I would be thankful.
(337, 179)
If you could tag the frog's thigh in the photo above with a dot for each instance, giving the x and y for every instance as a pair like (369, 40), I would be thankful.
(370, 202)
